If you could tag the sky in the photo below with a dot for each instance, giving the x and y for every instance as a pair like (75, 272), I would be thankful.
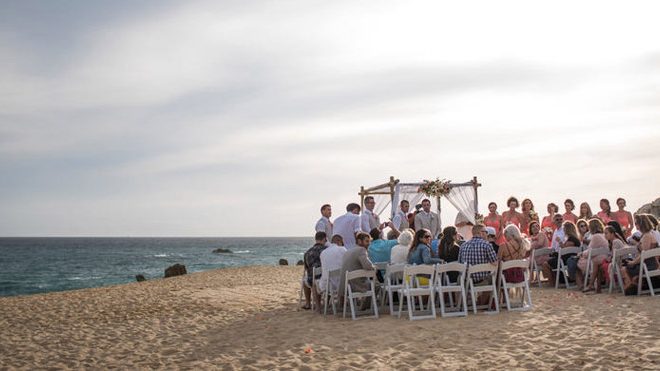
(241, 118)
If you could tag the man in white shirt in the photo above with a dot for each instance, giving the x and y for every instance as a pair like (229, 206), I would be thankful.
(369, 219)
(348, 225)
(427, 219)
(331, 259)
(400, 219)
(324, 224)
(558, 236)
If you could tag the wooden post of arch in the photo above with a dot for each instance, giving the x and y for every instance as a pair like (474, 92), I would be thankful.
(476, 185)
(362, 198)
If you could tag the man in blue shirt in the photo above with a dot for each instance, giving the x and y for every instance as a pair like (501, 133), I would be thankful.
(379, 248)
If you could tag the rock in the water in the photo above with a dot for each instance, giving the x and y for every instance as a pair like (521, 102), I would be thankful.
(140, 278)
(300, 262)
(220, 250)
(175, 270)
(284, 262)
(652, 208)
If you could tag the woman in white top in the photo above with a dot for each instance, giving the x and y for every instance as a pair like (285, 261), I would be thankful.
(399, 253)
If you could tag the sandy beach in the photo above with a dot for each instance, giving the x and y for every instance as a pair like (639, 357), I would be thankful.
(248, 318)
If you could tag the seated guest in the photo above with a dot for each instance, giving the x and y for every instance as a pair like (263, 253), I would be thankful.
(605, 213)
(491, 236)
(654, 224)
(598, 240)
(569, 206)
(631, 269)
(623, 217)
(448, 248)
(399, 253)
(585, 211)
(634, 239)
(380, 249)
(583, 230)
(331, 259)
(354, 259)
(420, 252)
(478, 251)
(515, 248)
(538, 240)
(614, 236)
(560, 239)
(463, 225)
(348, 225)
(312, 259)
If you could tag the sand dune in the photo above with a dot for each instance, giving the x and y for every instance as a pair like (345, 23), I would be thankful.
(231, 319)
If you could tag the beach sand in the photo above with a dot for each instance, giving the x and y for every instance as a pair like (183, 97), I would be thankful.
(248, 318)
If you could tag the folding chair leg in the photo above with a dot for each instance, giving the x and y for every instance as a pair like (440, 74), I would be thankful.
(400, 304)
(474, 298)
(410, 306)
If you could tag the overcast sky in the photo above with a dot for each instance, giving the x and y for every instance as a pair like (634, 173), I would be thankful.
(240, 118)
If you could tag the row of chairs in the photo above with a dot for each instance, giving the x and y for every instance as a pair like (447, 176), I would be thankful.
(418, 286)
(614, 272)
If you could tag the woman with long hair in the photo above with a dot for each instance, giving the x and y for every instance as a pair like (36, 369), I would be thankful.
(538, 240)
(605, 213)
(547, 226)
(514, 248)
(623, 217)
(493, 219)
(569, 206)
(598, 240)
(583, 230)
(571, 239)
(632, 268)
(585, 211)
(420, 251)
(528, 214)
(511, 216)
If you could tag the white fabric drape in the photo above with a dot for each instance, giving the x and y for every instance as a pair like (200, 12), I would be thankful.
(463, 200)
(383, 203)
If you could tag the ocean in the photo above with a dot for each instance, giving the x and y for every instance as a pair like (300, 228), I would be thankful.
(39, 265)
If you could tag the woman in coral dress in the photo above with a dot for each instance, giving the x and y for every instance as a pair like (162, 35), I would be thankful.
(624, 217)
(569, 205)
(585, 211)
(528, 215)
(605, 214)
(511, 216)
(547, 226)
(493, 219)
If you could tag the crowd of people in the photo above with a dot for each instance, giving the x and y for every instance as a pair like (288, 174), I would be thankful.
(356, 240)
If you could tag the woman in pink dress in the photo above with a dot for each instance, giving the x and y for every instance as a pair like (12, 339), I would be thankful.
(538, 240)
(547, 226)
(569, 205)
(605, 213)
(624, 217)
(511, 216)
(585, 211)
(528, 215)
(493, 219)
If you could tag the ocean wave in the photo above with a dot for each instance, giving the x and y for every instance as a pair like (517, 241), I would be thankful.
(242, 252)
(161, 255)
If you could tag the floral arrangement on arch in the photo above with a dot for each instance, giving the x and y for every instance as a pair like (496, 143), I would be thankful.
(435, 188)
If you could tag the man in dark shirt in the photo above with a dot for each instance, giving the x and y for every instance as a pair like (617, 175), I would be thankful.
(312, 259)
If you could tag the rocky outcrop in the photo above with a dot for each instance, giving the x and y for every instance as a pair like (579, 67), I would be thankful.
(283, 262)
(220, 250)
(175, 270)
(652, 208)
(140, 278)
(300, 262)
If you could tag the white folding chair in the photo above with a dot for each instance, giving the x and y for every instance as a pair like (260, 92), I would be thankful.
(649, 274)
(380, 287)
(475, 289)
(512, 264)
(413, 287)
(302, 286)
(444, 285)
(330, 292)
(393, 283)
(563, 268)
(590, 256)
(350, 296)
(615, 267)
(536, 270)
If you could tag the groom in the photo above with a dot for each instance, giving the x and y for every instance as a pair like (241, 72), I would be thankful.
(427, 219)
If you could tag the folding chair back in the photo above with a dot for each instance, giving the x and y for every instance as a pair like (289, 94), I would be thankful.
(562, 269)
(590, 256)
(536, 270)
(414, 286)
(350, 296)
(330, 291)
(615, 267)
(444, 285)
(476, 289)
(393, 283)
(516, 264)
(645, 271)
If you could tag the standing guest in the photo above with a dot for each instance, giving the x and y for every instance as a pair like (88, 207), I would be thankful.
(427, 219)
(324, 224)
(514, 248)
(528, 214)
(420, 252)
(598, 240)
(369, 220)
(585, 211)
(312, 259)
(538, 240)
(569, 206)
(583, 230)
(631, 269)
(623, 217)
(493, 219)
(355, 259)
(511, 216)
(463, 225)
(400, 219)
(380, 249)
(399, 253)
(331, 259)
(348, 225)
(605, 213)
(491, 237)
(547, 226)
(478, 251)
